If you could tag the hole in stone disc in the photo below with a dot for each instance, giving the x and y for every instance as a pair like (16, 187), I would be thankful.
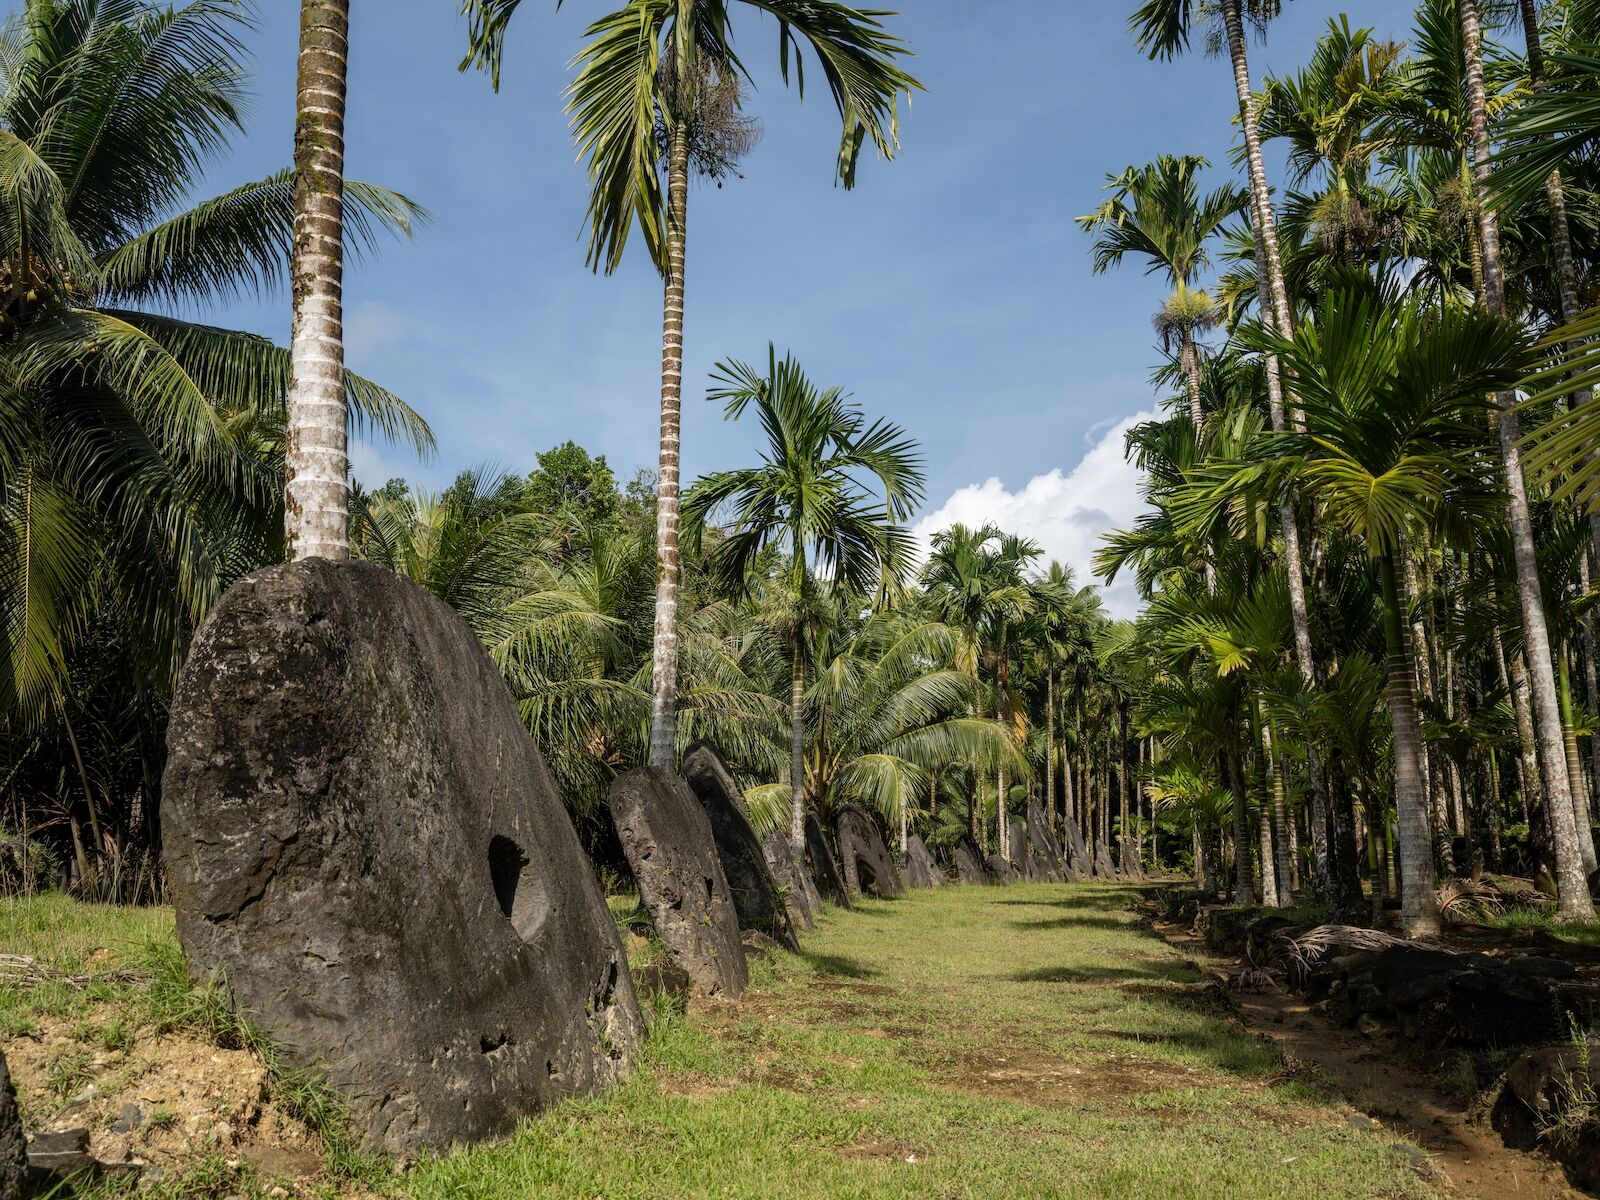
(506, 861)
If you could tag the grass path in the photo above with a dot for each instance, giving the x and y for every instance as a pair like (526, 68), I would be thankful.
(968, 1042)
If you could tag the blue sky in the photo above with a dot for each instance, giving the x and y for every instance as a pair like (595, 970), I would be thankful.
(949, 291)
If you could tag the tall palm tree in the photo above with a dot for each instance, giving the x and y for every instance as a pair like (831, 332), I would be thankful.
(1391, 390)
(140, 453)
(658, 89)
(1163, 29)
(1157, 211)
(1573, 889)
(316, 466)
(833, 493)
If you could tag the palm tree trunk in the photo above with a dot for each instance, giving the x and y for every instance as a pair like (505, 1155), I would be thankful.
(1050, 747)
(1001, 703)
(1409, 600)
(1580, 799)
(1574, 903)
(1189, 361)
(1244, 891)
(1419, 910)
(797, 761)
(1344, 880)
(1264, 831)
(664, 658)
(316, 520)
(1283, 868)
(1567, 281)
(1279, 314)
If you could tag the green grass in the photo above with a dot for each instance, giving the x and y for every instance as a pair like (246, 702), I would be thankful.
(1580, 933)
(969, 1042)
(973, 1042)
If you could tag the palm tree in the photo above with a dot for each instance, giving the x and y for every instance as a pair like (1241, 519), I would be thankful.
(810, 500)
(1162, 30)
(1390, 390)
(889, 709)
(140, 453)
(1573, 887)
(658, 88)
(971, 588)
(1156, 210)
(316, 467)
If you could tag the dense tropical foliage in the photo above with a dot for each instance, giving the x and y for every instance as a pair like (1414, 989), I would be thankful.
(1366, 659)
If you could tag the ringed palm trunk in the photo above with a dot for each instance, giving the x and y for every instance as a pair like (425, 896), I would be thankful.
(1050, 747)
(1572, 888)
(1419, 909)
(1244, 889)
(1580, 798)
(1567, 281)
(316, 490)
(797, 763)
(1275, 307)
(1189, 361)
(664, 656)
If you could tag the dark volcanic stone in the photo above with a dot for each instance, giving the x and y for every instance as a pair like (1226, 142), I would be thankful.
(862, 848)
(968, 861)
(1044, 852)
(663, 977)
(13, 1142)
(1538, 1090)
(1020, 862)
(1001, 871)
(667, 838)
(361, 837)
(921, 870)
(744, 865)
(824, 866)
(800, 891)
(1079, 867)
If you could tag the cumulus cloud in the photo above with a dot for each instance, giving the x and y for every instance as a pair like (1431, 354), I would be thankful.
(1066, 513)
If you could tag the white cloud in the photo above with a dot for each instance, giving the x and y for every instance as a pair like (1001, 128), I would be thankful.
(1065, 513)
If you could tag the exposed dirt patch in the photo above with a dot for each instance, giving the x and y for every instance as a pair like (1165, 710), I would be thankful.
(1467, 1157)
(172, 1098)
(1059, 1082)
(880, 1149)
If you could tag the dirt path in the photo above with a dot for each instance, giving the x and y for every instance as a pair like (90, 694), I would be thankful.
(1468, 1154)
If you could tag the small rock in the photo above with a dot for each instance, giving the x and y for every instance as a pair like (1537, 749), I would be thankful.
(114, 1150)
(131, 1117)
(1357, 1121)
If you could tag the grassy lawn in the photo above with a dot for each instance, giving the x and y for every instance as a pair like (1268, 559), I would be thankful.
(1030, 1041)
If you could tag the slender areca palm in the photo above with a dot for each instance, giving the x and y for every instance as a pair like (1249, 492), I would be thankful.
(658, 89)
(833, 492)
(1157, 211)
(1392, 393)
(316, 464)
(1574, 891)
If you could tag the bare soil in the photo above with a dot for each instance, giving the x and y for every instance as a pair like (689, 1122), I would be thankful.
(1372, 1075)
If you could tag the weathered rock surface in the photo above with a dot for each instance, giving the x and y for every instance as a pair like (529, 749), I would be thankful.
(824, 866)
(1079, 866)
(921, 871)
(968, 860)
(667, 837)
(360, 835)
(744, 863)
(1021, 861)
(1001, 870)
(1044, 852)
(13, 1141)
(1532, 1110)
(863, 852)
(800, 890)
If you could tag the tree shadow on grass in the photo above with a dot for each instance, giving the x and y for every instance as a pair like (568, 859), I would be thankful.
(1172, 971)
(839, 964)
(1070, 922)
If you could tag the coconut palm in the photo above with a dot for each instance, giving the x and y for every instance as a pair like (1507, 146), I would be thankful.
(832, 494)
(658, 89)
(1157, 211)
(140, 453)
